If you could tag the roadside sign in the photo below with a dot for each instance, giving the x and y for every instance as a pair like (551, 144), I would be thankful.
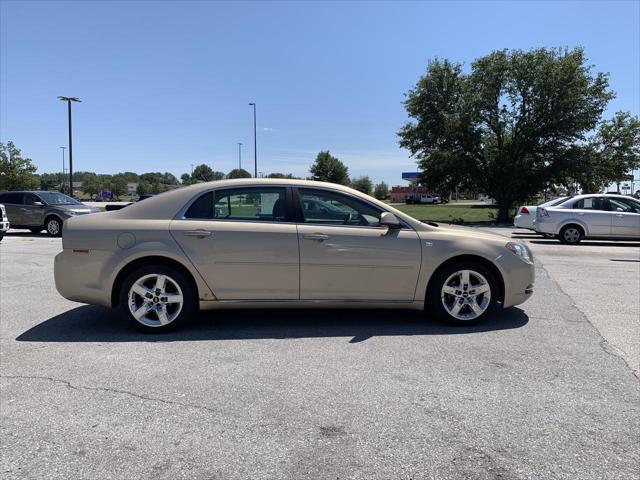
(411, 175)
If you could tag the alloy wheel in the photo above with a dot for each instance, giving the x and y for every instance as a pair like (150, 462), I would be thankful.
(572, 235)
(53, 227)
(466, 295)
(155, 300)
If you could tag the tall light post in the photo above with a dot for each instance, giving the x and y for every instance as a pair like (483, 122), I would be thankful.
(69, 100)
(240, 155)
(255, 142)
(62, 181)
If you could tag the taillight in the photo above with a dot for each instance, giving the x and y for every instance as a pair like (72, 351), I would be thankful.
(524, 211)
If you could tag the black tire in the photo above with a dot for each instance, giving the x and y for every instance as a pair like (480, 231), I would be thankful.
(435, 304)
(53, 226)
(571, 234)
(36, 230)
(1, 237)
(148, 324)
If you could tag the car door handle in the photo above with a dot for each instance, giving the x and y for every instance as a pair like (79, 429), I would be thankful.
(320, 237)
(197, 233)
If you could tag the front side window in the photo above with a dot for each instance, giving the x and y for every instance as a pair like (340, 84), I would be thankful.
(266, 204)
(30, 198)
(624, 205)
(330, 208)
(590, 203)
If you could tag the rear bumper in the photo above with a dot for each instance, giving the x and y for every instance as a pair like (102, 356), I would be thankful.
(523, 221)
(85, 277)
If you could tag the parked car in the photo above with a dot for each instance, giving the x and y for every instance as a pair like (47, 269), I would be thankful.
(421, 198)
(590, 216)
(4, 221)
(40, 210)
(527, 213)
(259, 243)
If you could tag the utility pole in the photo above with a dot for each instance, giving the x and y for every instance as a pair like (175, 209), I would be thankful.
(69, 100)
(240, 155)
(255, 142)
(63, 169)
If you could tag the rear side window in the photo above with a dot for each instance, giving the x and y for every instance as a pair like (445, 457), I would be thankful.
(591, 203)
(251, 204)
(202, 207)
(11, 198)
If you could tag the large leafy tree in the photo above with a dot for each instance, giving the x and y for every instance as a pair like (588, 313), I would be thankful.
(508, 128)
(204, 173)
(328, 168)
(362, 184)
(381, 191)
(16, 172)
(238, 173)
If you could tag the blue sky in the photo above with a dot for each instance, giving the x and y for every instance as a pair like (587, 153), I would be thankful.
(166, 84)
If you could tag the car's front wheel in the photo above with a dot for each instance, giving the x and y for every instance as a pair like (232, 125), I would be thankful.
(53, 226)
(157, 298)
(463, 293)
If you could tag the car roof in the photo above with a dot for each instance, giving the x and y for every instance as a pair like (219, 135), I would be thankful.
(167, 204)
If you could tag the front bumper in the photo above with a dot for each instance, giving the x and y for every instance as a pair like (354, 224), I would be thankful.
(519, 277)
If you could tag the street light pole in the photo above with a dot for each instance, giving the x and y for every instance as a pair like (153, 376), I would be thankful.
(62, 181)
(240, 155)
(69, 100)
(255, 142)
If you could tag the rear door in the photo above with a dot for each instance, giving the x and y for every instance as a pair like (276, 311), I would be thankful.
(594, 212)
(242, 242)
(625, 217)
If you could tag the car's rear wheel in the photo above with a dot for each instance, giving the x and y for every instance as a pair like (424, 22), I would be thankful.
(571, 234)
(53, 226)
(463, 293)
(157, 298)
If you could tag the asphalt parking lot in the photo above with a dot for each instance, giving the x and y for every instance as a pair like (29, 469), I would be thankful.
(547, 390)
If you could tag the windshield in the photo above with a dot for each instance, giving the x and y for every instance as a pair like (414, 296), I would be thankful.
(56, 198)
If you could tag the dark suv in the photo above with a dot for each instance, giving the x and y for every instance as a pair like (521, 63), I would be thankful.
(37, 211)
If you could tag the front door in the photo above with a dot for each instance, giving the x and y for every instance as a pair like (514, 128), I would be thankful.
(625, 217)
(242, 243)
(33, 214)
(346, 255)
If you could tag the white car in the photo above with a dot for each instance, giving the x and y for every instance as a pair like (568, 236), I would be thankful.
(527, 213)
(590, 216)
(4, 221)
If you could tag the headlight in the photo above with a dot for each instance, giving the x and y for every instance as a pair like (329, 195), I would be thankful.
(520, 250)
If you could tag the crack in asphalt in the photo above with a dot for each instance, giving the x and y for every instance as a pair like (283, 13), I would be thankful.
(71, 386)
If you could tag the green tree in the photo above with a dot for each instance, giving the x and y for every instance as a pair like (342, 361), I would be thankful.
(16, 172)
(143, 188)
(381, 192)
(328, 168)
(280, 175)
(509, 127)
(609, 155)
(362, 184)
(203, 173)
(118, 185)
(91, 185)
(185, 179)
(238, 173)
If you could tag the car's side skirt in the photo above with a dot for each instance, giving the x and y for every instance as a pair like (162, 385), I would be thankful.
(248, 304)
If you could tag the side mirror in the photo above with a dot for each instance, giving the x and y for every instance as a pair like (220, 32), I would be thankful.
(38, 204)
(389, 220)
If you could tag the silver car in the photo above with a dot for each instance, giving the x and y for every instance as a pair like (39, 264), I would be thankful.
(264, 243)
(590, 216)
(41, 210)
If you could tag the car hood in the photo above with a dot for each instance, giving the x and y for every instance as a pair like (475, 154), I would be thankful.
(82, 208)
(469, 232)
